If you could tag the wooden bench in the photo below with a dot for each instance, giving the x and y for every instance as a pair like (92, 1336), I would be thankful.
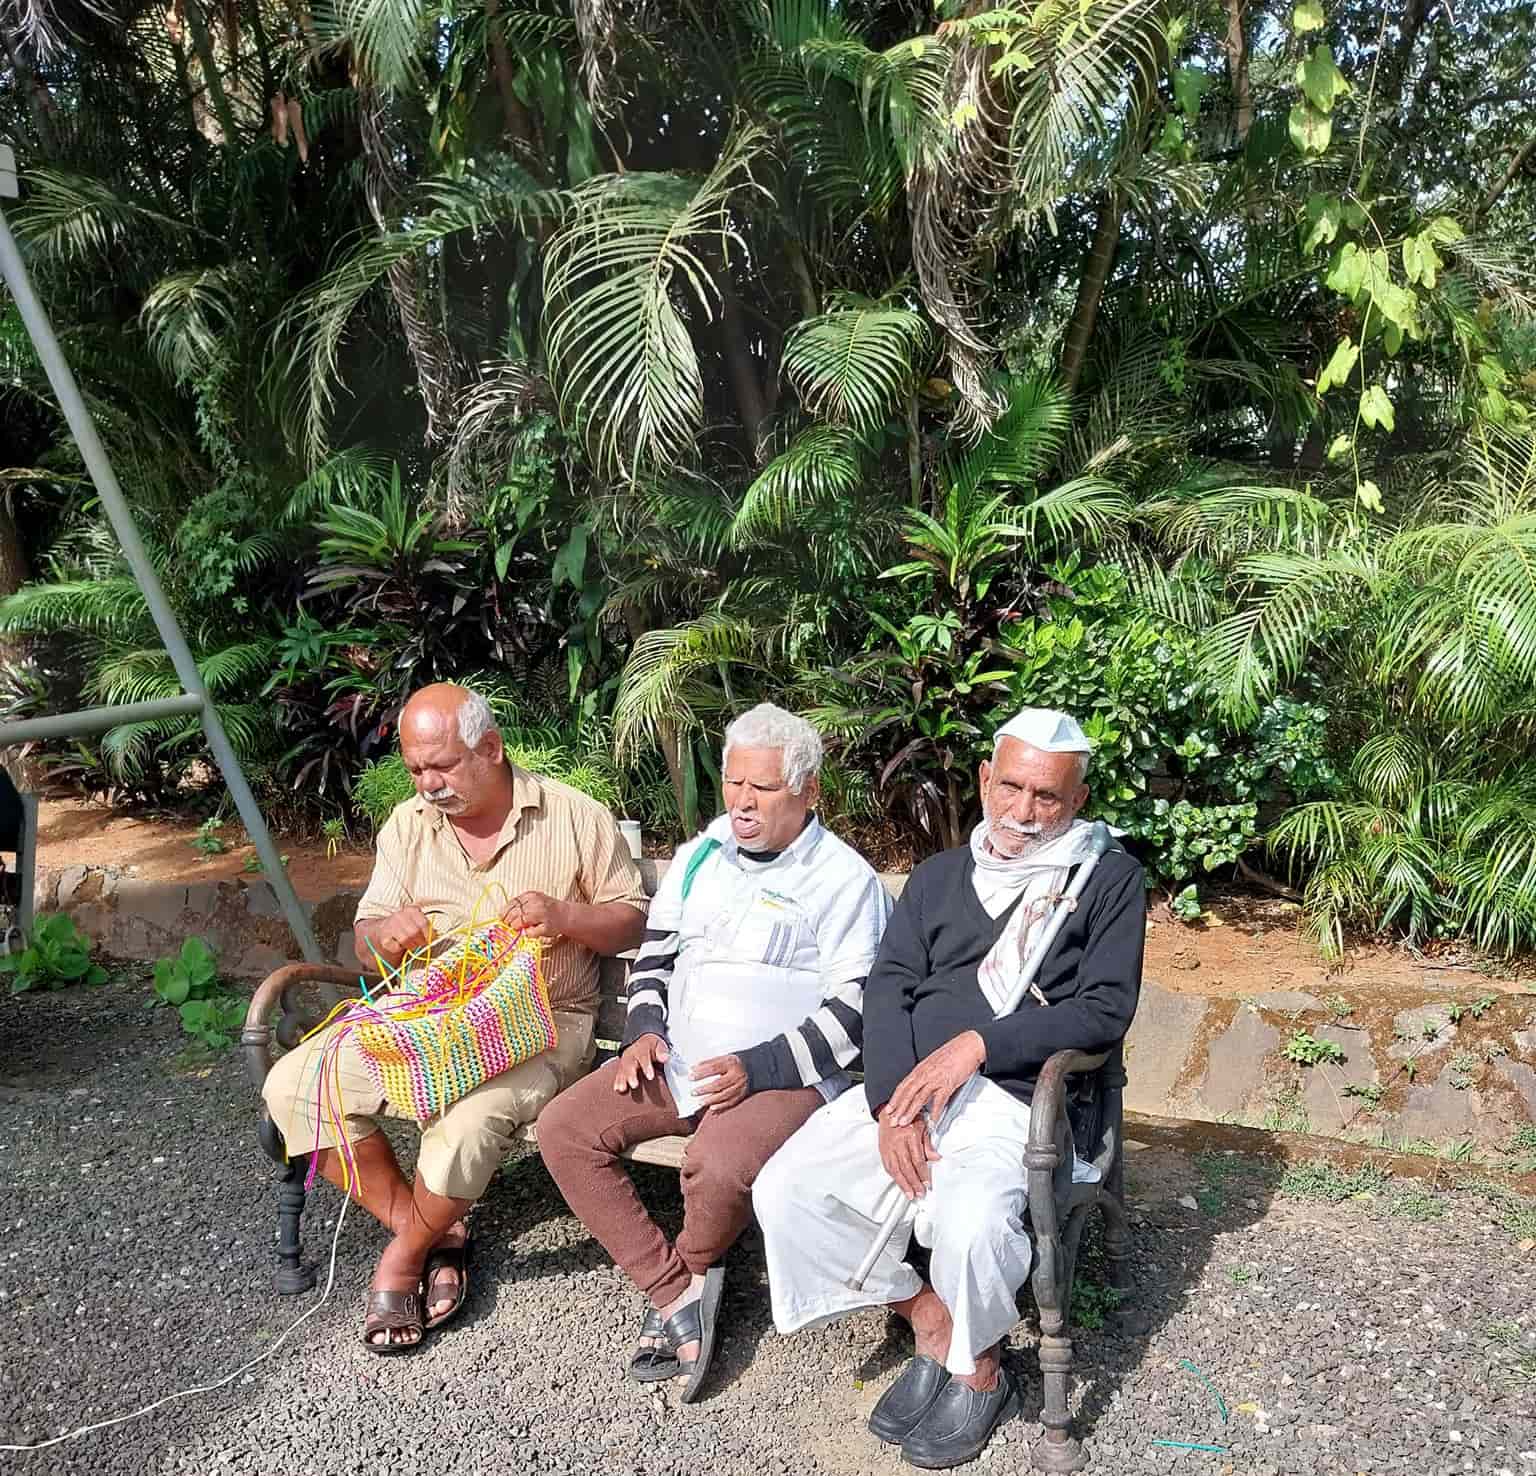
(1077, 1108)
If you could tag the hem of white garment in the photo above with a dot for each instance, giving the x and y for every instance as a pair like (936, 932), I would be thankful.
(807, 1315)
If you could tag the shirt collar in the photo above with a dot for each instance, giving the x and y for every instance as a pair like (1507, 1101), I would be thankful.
(527, 794)
(799, 849)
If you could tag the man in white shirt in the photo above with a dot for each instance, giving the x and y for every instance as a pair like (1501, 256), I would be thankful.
(745, 1011)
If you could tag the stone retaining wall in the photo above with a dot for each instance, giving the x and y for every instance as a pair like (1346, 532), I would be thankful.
(1220, 1060)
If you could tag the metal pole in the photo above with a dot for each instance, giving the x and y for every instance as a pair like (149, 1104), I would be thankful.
(100, 468)
(98, 719)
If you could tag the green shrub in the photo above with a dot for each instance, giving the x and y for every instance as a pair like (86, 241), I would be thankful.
(58, 953)
(385, 783)
(189, 983)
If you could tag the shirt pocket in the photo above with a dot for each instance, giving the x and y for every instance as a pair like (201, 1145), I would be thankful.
(774, 930)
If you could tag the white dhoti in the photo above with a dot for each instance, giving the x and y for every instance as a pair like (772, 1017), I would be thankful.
(821, 1197)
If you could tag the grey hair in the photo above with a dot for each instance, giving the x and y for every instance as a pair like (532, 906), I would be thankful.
(475, 718)
(767, 726)
(1083, 759)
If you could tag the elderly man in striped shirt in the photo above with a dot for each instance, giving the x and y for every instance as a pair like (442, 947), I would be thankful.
(745, 1011)
(479, 835)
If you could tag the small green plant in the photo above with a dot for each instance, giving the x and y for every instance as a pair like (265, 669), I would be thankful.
(1370, 1093)
(1416, 1205)
(1410, 1069)
(1306, 1049)
(1320, 1179)
(1464, 1068)
(1186, 905)
(1505, 1332)
(334, 831)
(1092, 1303)
(1522, 1149)
(1338, 1006)
(1463, 1150)
(253, 864)
(1286, 1114)
(208, 843)
(1214, 1169)
(58, 953)
(189, 983)
(1431, 1030)
(1241, 1275)
(1477, 1009)
(189, 975)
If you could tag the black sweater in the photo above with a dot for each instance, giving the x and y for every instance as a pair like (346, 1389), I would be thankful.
(923, 992)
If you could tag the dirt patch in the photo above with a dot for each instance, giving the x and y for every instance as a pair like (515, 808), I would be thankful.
(74, 833)
(1248, 947)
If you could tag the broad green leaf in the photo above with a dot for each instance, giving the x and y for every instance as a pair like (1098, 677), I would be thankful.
(1171, 143)
(1339, 367)
(1392, 337)
(1189, 85)
(1311, 131)
(1355, 215)
(1347, 273)
(1370, 496)
(1491, 372)
(1421, 262)
(503, 558)
(1340, 447)
(1376, 409)
(1324, 214)
(1308, 16)
(571, 559)
(1321, 81)
(1443, 230)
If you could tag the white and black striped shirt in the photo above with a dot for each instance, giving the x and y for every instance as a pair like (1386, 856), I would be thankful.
(764, 958)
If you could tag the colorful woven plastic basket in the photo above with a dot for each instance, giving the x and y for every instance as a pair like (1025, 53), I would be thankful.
(479, 1010)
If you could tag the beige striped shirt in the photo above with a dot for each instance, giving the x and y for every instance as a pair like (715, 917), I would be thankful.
(555, 840)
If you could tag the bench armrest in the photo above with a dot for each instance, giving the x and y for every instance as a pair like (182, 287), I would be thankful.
(272, 994)
(1048, 1158)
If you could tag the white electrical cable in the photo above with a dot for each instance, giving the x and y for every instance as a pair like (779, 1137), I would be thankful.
(261, 1357)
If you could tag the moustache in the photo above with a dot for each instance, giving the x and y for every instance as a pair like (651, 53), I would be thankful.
(1014, 828)
(440, 796)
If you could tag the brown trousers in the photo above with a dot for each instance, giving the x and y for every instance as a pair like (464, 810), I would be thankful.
(583, 1131)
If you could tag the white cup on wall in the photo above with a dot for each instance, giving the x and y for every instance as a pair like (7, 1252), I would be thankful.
(630, 830)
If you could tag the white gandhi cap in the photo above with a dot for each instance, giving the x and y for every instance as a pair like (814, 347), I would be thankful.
(1049, 731)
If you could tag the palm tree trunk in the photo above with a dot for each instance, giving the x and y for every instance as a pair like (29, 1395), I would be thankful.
(1237, 68)
(741, 365)
(517, 121)
(215, 84)
(1090, 288)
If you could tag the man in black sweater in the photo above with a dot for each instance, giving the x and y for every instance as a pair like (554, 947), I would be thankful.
(952, 953)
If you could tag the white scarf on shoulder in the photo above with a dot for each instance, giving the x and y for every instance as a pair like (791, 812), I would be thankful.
(1041, 878)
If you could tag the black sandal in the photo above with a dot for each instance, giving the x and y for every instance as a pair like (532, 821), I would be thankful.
(445, 1258)
(695, 1323)
(651, 1365)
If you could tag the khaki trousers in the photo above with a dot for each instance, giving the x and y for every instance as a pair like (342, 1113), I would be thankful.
(462, 1147)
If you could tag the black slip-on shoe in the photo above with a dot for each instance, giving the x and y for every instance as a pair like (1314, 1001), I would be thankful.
(959, 1423)
(904, 1404)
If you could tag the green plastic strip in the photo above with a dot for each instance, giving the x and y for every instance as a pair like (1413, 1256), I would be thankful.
(695, 861)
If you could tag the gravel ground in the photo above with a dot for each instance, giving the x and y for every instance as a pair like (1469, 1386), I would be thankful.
(1381, 1334)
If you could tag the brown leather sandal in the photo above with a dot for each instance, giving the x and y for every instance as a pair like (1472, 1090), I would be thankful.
(446, 1258)
(392, 1311)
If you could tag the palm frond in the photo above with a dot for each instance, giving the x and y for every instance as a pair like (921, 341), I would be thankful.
(852, 364)
(623, 361)
(821, 465)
